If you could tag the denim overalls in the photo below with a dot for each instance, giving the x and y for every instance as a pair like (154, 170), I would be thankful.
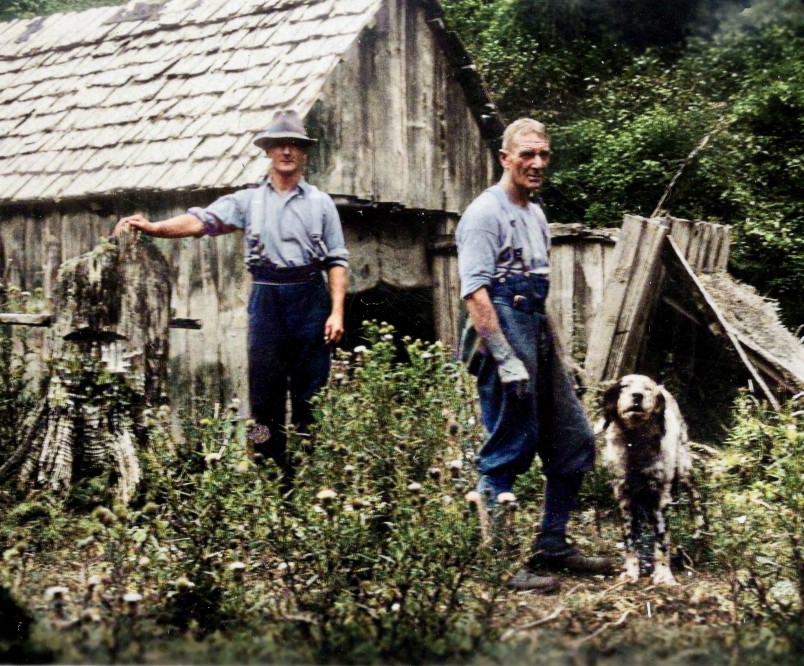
(549, 419)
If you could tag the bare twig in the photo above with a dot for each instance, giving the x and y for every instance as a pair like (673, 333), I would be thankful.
(603, 628)
(690, 157)
(547, 618)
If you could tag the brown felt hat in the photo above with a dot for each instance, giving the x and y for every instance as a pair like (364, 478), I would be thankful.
(286, 125)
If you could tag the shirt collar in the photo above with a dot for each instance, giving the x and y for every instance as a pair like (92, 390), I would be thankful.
(302, 187)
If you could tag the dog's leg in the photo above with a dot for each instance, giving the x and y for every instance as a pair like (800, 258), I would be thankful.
(661, 551)
(630, 522)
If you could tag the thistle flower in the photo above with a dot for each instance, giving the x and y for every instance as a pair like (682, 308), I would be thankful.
(349, 470)
(326, 495)
(183, 584)
(455, 467)
(132, 600)
(507, 501)
(104, 516)
(414, 487)
(144, 561)
(57, 595)
(237, 569)
(434, 473)
(90, 615)
(474, 498)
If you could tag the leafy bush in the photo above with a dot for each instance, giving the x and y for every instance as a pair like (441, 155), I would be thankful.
(758, 487)
(373, 556)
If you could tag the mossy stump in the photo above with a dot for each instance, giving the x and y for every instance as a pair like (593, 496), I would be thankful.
(108, 353)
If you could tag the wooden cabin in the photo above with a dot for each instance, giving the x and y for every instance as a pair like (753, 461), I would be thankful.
(153, 106)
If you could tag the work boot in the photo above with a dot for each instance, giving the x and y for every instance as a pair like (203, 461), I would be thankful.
(525, 580)
(555, 553)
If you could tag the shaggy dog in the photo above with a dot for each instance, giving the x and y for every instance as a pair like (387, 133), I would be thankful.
(648, 455)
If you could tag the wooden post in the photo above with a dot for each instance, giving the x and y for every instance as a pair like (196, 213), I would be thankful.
(628, 299)
(446, 283)
(108, 347)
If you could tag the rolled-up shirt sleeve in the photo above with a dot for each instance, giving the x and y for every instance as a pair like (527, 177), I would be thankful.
(337, 254)
(224, 215)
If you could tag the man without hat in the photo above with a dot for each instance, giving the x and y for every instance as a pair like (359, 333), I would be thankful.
(292, 235)
(527, 399)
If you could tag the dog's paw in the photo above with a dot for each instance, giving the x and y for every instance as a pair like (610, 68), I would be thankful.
(663, 576)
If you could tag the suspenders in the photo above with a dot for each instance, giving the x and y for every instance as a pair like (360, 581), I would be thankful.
(258, 230)
(521, 254)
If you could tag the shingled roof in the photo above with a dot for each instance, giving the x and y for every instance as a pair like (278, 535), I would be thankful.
(159, 95)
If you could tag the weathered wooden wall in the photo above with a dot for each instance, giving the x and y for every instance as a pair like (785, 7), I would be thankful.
(392, 246)
(209, 282)
(397, 123)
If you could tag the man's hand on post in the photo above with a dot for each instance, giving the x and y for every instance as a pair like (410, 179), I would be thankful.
(513, 373)
(134, 223)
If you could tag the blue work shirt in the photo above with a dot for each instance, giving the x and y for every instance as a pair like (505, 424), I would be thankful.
(282, 229)
(497, 237)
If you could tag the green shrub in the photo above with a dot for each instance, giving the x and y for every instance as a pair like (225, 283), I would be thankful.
(374, 556)
(758, 488)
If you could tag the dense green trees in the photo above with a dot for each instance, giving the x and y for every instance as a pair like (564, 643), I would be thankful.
(12, 9)
(631, 88)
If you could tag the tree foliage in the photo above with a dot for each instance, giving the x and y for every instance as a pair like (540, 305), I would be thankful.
(630, 89)
(15, 9)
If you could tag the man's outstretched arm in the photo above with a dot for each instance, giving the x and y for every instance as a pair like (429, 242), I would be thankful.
(181, 226)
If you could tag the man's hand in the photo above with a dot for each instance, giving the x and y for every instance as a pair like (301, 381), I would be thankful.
(134, 223)
(514, 376)
(513, 373)
(181, 226)
(333, 329)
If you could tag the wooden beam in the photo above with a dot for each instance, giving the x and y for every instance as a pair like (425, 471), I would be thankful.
(20, 319)
(684, 312)
(46, 319)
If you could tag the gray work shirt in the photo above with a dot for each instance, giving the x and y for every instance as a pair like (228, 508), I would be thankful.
(496, 237)
(283, 229)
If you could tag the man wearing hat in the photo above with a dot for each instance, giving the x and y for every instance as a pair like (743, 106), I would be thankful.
(292, 234)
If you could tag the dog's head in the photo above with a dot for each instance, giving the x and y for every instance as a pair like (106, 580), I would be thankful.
(632, 400)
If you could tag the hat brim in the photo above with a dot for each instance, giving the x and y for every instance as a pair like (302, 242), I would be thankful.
(265, 140)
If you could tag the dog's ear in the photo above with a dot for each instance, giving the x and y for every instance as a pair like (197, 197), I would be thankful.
(610, 397)
(660, 403)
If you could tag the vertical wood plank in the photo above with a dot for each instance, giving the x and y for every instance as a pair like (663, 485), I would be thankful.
(722, 260)
(590, 257)
(640, 299)
(605, 326)
(682, 231)
(51, 239)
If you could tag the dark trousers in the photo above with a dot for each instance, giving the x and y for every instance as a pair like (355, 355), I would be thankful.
(286, 350)
(549, 420)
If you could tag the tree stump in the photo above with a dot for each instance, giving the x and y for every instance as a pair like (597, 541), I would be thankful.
(108, 354)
